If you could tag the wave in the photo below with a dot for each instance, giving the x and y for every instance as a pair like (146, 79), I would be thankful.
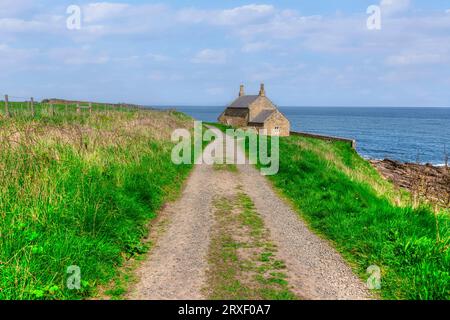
(439, 164)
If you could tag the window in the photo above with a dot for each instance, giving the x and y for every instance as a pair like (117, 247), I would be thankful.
(276, 131)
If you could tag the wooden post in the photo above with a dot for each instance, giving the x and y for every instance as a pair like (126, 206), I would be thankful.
(52, 108)
(90, 107)
(33, 113)
(78, 108)
(7, 114)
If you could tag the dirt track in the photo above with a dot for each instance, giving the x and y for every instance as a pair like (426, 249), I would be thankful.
(177, 266)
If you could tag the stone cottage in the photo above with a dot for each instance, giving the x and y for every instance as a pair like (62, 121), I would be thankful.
(256, 112)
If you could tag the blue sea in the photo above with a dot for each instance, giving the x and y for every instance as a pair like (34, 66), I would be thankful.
(404, 134)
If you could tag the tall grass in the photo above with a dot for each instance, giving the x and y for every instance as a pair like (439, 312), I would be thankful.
(23, 109)
(78, 189)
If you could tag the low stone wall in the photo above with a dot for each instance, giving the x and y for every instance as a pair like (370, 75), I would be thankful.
(325, 138)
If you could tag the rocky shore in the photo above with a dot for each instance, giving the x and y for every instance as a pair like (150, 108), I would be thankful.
(425, 182)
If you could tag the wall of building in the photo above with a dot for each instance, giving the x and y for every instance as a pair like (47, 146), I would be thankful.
(278, 121)
(233, 121)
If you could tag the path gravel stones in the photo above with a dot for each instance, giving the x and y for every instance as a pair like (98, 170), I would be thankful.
(314, 268)
(177, 266)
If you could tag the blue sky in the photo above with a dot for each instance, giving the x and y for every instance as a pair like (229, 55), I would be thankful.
(308, 53)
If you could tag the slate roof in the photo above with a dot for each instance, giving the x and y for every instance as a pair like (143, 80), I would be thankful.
(262, 116)
(243, 102)
(236, 112)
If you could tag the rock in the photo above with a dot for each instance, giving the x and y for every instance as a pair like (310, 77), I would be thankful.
(429, 182)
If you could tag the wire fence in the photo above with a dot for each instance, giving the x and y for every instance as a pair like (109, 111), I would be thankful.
(14, 106)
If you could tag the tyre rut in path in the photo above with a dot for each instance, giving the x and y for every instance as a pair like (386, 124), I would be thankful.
(177, 266)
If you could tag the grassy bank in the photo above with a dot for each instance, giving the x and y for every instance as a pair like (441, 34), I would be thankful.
(78, 190)
(343, 198)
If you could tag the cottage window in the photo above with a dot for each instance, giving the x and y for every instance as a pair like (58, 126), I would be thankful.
(277, 130)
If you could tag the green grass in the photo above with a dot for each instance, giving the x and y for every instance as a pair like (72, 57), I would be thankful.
(246, 268)
(220, 126)
(225, 167)
(23, 109)
(79, 189)
(344, 198)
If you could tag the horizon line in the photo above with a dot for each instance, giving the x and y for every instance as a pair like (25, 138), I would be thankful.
(304, 106)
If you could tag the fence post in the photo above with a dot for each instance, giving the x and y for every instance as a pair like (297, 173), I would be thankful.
(90, 107)
(78, 108)
(7, 107)
(33, 113)
(52, 109)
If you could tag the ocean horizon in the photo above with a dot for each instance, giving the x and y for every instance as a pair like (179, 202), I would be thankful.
(407, 134)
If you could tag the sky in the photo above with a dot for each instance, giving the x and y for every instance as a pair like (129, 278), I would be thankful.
(173, 53)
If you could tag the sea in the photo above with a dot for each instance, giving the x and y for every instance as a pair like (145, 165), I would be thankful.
(398, 133)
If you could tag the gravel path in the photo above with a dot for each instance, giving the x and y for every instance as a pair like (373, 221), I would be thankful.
(314, 268)
(177, 266)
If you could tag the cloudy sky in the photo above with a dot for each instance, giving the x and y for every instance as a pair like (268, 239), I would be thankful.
(308, 53)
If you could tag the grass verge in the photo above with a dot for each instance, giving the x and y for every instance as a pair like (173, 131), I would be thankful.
(345, 199)
(79, 190)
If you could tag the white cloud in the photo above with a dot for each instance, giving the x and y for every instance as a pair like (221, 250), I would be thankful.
(244, 14)
(157, 57)
(390, 7)
(112, 19)
(95, 12)
(282, 25)
(252, 13)
(210, 56)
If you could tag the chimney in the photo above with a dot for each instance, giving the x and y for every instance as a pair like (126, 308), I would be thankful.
(262, 92)
(241, 92)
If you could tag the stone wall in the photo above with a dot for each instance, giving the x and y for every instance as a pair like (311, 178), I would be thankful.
(279, 123)
(325, 138)
(233, 121)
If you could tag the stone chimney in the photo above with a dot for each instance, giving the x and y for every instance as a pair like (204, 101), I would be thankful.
(262, 92)
(241, 91)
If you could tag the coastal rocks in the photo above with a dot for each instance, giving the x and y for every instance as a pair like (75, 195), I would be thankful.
(425, 182)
